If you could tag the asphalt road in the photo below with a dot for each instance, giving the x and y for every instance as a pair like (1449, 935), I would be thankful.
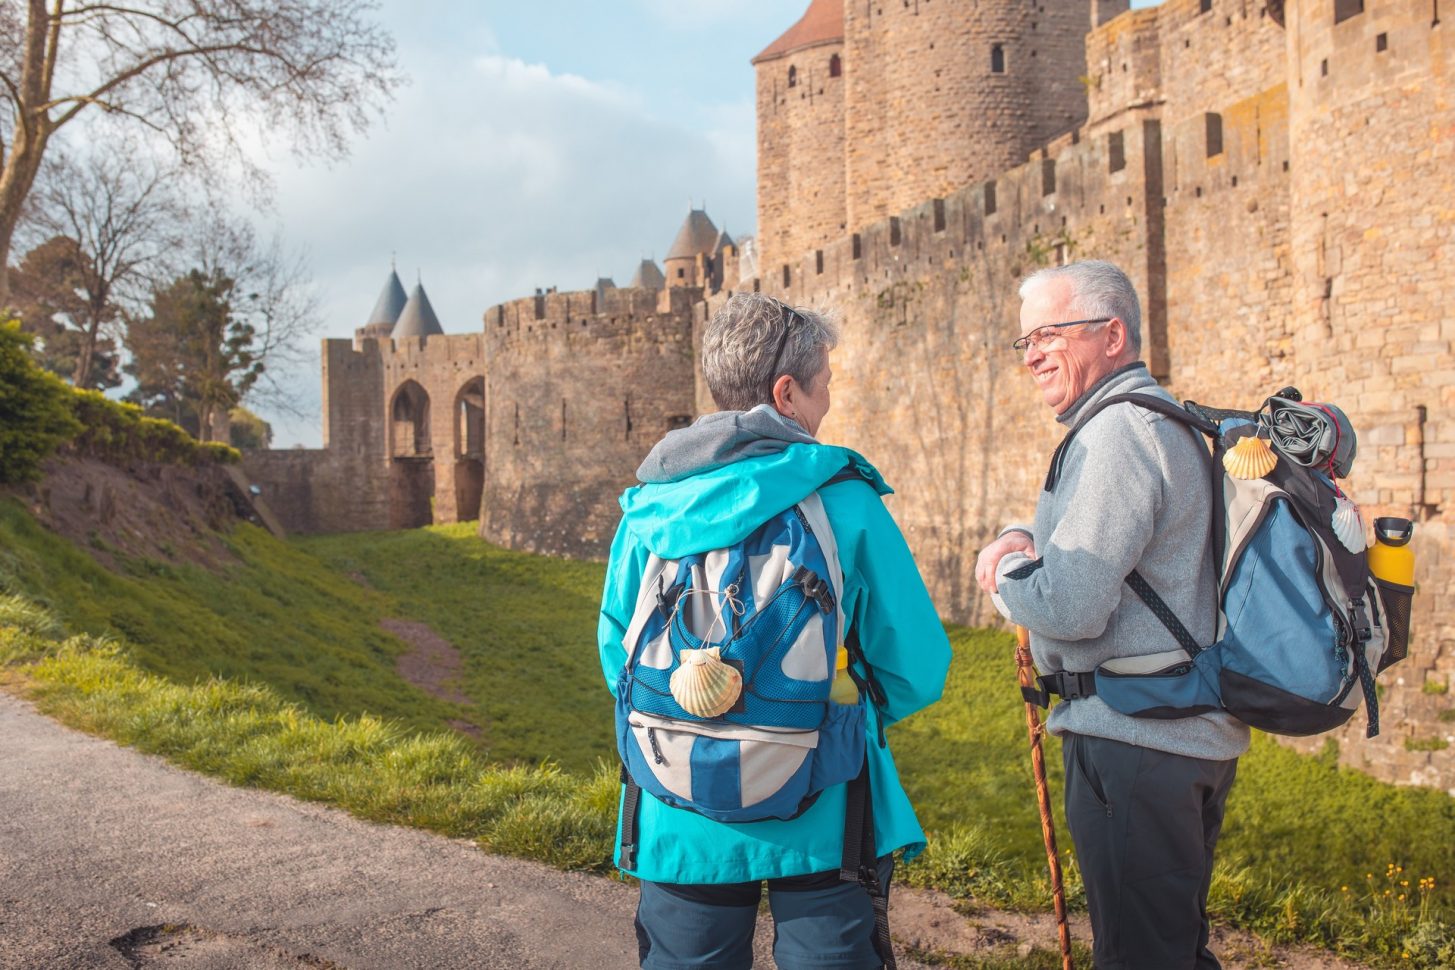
(114, 859)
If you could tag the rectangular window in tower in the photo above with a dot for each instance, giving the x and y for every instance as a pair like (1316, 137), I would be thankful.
(787, 277)
(1205, 6)
(1048, 176)
(990, 198)
(939, 212)
(1344, 9)
(1214, 125)
(836, 66)
(818, 261)
(1116, 151)
(997, 59)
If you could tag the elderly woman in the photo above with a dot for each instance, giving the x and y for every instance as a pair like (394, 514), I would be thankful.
(716, 486)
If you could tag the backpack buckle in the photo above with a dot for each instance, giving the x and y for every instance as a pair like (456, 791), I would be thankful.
(815, 588)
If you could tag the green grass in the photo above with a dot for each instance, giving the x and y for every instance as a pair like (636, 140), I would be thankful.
(311, 705)
(525, 625)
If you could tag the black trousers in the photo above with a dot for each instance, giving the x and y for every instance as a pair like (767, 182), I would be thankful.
(1145, 824)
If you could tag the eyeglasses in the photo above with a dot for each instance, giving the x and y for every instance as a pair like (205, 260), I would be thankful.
(790, 316)
(1042, 337)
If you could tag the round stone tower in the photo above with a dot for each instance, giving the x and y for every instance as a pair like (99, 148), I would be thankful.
(942, 93)
(800, 99)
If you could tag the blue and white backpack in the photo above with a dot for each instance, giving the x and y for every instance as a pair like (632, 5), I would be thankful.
(723, 705)
(1301, 627)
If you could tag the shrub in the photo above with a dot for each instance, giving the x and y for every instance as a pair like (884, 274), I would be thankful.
(35, 413)
(117, 431)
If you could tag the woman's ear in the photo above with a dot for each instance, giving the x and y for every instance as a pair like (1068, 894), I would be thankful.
(783, 392)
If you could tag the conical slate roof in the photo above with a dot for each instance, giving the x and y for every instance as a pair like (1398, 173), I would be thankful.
(390, 303)
(648, 276)
(697, 236)
(822, 23)
(417, 318)
(723, 242)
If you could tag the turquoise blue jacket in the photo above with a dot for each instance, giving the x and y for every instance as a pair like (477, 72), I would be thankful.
(901, 635)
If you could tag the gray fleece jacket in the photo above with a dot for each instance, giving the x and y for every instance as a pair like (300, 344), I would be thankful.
(1133, 494)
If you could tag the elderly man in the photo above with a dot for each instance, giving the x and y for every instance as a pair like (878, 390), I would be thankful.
(1144, 798)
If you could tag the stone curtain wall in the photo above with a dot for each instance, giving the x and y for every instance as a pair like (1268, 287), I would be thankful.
(578, 391)
(800, 153)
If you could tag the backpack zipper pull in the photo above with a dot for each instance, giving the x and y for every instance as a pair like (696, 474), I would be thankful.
(656, 749)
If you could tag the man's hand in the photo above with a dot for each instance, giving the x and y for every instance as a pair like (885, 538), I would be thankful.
(991, 555)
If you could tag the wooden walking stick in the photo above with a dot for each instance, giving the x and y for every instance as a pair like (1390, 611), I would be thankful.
(1025, 670)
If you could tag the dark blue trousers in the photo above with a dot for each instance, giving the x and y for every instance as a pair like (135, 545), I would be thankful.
(1145, 824)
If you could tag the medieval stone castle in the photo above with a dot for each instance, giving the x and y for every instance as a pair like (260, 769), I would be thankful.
(1278, 177)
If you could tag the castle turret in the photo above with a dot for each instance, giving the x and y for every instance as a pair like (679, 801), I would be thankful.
(697, 238)
(417, 318)
(386, 310)
(648, 276)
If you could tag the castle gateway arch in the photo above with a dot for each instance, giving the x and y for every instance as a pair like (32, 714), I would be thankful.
(469, 427)
(411, 458)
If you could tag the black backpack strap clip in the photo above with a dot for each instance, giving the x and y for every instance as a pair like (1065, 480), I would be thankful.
(1065, 684)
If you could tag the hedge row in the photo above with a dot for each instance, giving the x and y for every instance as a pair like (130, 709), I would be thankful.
(40, 413)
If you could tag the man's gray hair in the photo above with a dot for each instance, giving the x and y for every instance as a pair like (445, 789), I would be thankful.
(1100, 290)
(744, 337)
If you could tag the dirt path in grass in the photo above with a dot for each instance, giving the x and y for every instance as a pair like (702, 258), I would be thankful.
(432, 664)
(114, 859)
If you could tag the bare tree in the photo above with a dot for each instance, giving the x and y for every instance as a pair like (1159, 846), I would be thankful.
(123, 217)
(198, 73)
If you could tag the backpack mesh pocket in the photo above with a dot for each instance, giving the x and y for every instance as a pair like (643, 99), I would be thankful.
(1395, 599)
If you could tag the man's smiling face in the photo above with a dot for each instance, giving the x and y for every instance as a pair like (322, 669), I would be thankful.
(1074, 358)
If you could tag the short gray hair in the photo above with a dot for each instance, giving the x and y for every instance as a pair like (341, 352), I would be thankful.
(743, 338)
(1098, 289)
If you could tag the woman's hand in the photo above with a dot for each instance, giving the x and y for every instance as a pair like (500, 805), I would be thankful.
(991, 555)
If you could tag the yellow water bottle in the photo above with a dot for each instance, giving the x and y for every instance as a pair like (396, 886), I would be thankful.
(844, 690)
(1391, 559)
(1392, 563)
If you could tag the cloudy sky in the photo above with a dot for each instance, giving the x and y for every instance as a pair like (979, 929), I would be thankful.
(539, 144)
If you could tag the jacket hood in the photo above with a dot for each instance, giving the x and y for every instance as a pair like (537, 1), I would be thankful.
(710, 485)
(719, 439)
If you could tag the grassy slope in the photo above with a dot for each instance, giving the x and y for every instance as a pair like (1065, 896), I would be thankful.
(1298, 829)
(275, 617)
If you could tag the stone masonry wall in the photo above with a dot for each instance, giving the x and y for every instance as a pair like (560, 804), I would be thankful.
(800, 153)
(578, 390)
(1372, 133)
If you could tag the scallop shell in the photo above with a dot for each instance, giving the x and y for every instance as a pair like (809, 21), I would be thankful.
(1250, 458)
(703, 685)
(1349, 525)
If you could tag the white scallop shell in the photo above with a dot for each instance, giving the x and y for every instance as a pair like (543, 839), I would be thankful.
(1250, 458)
(1349, 525)
(703, 685)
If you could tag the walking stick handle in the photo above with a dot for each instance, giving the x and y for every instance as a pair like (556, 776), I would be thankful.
(1026, 673)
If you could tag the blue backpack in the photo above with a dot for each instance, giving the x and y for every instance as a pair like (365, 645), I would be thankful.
(1301, 629)
(723, 705)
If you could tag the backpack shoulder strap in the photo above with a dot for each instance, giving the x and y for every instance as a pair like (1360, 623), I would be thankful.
(1147, 401)
(849, 473)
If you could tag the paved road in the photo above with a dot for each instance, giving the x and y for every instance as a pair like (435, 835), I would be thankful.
(114, 859)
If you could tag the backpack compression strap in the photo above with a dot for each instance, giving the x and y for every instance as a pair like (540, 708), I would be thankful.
(861, 861)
